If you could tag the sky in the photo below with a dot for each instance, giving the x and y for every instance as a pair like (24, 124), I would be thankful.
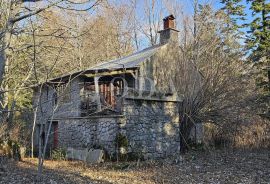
(187, 8)
(216, 5)
(185, 5)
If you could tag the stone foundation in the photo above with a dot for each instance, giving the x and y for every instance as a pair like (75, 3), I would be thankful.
(151, 128)
(88, 133)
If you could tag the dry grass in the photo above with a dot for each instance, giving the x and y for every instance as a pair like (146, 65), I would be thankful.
(254, 134)
(206, 167)
(3, 128)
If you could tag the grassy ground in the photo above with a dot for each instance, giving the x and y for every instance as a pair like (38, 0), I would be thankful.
(195, 167)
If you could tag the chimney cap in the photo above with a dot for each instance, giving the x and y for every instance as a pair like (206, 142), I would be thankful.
(170, 17)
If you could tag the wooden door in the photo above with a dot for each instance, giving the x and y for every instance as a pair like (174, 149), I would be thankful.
(55, 134)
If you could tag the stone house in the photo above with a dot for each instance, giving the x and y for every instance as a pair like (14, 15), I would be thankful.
(89, 108)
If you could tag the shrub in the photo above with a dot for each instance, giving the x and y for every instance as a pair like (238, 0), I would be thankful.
(134, 156)
(5, 149)
(11, 148)
(58, 154)
(121, 143)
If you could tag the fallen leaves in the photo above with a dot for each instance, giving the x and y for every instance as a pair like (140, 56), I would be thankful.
(195, 167)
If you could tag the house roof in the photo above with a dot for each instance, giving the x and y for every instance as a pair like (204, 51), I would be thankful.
(128, 62)
(131, 61)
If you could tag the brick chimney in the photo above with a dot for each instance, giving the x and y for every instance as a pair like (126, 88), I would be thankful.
(169, 34)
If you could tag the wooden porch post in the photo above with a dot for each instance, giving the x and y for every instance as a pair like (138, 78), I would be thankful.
(97, 93)
(141, 84)
(112, 95)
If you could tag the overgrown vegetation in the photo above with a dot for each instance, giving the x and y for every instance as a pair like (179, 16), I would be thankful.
(121, 144)
(58, 154)
(217, 85)
(221, 67)
(12, 149)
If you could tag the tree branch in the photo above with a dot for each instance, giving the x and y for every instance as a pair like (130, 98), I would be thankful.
(12, 21)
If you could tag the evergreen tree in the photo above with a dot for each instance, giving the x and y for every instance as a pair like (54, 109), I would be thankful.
(235, 11)
(259, 39)
(258, 42)
(234, 15)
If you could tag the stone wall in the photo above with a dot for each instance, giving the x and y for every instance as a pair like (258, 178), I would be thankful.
(47, 109)
(150, 126)
(87, 133)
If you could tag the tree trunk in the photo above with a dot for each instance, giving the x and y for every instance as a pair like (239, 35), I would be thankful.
(4, 49)
(2, 72)
(33, 131)
(11, 113)
(40, 150)
(186, 126)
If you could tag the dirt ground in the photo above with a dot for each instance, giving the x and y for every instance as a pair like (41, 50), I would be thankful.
(194, 167)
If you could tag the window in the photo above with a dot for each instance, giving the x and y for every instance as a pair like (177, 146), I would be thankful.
(54, 98)
(47, 93)
(62, 93)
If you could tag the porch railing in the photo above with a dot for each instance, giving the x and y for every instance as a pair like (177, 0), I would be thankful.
(90, 103)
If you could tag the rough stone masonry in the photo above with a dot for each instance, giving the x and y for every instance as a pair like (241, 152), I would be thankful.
(151, 128)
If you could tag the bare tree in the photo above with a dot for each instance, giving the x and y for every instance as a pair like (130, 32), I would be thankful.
(208, 74)
(15, 11)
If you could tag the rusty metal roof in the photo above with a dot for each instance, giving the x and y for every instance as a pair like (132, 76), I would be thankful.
(130, 61)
